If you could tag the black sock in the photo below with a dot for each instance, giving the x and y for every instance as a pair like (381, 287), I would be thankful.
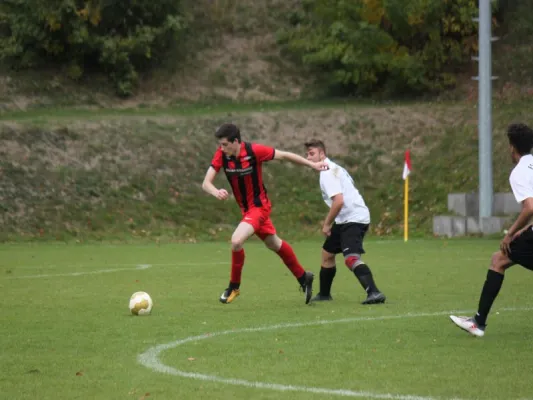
(364, 275)
(301, 280)
(326, 279)
(233, 285)
(490, 291)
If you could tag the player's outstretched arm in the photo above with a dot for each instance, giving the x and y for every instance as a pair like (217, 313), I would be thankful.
(296, 159)
(210, 188)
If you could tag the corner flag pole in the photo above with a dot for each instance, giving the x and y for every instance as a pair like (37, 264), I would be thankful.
(406, 211)
(405, 175)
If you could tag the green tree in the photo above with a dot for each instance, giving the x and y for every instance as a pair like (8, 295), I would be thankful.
(119, 37)
(392, 46)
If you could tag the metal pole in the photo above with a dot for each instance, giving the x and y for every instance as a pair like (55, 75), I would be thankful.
(484, 110)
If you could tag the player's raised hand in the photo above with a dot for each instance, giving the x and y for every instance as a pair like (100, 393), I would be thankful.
(222, 194)
(321, 166)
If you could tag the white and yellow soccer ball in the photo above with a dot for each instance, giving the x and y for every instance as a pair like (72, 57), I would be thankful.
(141, 303)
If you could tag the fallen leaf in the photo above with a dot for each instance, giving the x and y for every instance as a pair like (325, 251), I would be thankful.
(79, 373)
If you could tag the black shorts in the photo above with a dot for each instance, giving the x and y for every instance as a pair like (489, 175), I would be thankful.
(346, 238)
(522, 249)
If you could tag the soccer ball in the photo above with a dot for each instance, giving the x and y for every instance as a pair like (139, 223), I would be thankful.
(141, 303)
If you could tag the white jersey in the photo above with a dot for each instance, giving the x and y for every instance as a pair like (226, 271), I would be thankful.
(337, 180)
(521, 178)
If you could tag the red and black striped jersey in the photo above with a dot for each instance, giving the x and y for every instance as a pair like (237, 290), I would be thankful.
(245, 174)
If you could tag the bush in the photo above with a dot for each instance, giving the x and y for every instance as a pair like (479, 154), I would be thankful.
(119, 37)
(391, 46)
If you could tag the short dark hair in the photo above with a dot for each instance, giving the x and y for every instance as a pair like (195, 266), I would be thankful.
(228, 131)
(521, 138)
(315, 143)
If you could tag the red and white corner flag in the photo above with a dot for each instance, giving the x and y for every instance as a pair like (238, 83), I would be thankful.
(407, 165)
(405, 175)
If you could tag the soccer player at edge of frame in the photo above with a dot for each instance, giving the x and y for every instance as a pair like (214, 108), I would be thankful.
(517, 245)
(242, 163)
(345, 226)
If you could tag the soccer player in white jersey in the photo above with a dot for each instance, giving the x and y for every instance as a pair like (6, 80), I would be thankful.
(345, 226)
(517, 245)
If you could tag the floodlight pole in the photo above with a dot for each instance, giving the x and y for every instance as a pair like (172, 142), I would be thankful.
(485, 109)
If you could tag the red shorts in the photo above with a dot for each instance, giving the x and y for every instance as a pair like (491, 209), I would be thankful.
(259, 218)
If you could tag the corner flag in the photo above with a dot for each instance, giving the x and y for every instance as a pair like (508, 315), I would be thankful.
(407, 165)
(405, 176)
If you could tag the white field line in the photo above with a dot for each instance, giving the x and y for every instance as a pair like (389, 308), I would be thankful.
(150, 359)
(108, 270)
(176, 264)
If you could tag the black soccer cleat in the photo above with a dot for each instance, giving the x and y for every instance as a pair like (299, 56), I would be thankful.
(229, 295)
(375, 298)
(307, 286)
(321, 297)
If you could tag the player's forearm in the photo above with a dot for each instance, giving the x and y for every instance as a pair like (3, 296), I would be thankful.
(335, 209)
(294, 158)
(523, 219)
(209, 188)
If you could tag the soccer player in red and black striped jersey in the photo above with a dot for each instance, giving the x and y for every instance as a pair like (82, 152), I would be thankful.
(242, 164)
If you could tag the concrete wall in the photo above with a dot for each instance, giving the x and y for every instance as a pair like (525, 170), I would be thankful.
(466, 220)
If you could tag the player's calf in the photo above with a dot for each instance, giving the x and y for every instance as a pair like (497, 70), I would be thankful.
(364, 275)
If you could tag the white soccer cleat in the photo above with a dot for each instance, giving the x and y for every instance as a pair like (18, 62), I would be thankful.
(468, 324)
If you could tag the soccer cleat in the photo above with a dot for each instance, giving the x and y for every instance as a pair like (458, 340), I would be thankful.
(307, 286)
(469, 324)
(229, 295)
(375, 298)
(321, 297)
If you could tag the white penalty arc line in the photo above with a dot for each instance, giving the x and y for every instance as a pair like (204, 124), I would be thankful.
(150, 358)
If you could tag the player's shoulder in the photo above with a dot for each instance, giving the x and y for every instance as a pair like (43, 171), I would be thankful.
(256, 145)
(329, 174)
(334, 169)
(218, 153)
(524, 167)
(527, 163)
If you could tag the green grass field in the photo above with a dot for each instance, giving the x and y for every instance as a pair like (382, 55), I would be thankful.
(66, 332)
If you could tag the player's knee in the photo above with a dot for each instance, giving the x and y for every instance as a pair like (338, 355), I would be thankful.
(352, 261)
(499, 262)
(236, 243)
(328, 259)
